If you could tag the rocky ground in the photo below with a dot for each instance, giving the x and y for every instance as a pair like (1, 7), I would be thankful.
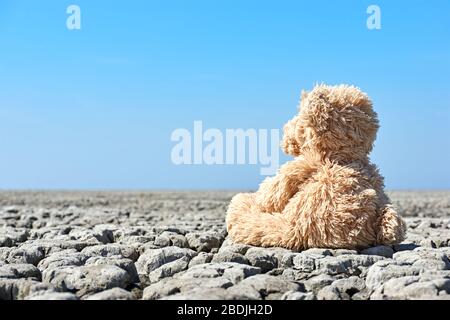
(160, 245)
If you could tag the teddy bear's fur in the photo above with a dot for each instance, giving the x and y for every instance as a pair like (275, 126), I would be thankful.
(330, 195)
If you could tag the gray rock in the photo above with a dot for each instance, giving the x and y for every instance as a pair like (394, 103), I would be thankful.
(109, 250)
(204, 294)
(276, 272)
(19, 270)
(345, 264)
(249, 292)
(161, 229)
(229, 256)
(342, 289)
(329, 293)
(383, 251)
(83, 234)
(48, 233)
(87, 279)
(147, 246)
(340, 252)
(68, 257)
(105, 232)
(362, 295)
(112, 294)
(424, 264)
(238, 273)
(26, 254)
(204, 241)
(52, 295)
(134, 234)
(265, 285)
(4, 253)
(318, 252)
(287, 260)
(405, 247)
(383, 271)
(318, 282)
(394, 287)
(296, 295)
(235, 272)
(170, 286)
(123, 263)
(262, 258)
(18, 289)
(425, 258)
(7, 272)
(229, 245)
(412, 287)
(295, 275)
(169, 269)
(153, 259)
(168, 238)
(10, 237)
(136, 241)
(304, 262)
(50, 246)
(163, 240)
(281, 254)
(200, 258)
(314, 264)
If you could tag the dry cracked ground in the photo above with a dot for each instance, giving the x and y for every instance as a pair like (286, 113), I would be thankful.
(161, 245)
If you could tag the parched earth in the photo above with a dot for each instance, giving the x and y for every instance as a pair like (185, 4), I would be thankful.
(173, 245)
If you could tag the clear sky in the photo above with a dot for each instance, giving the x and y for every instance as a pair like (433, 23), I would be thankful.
(95, 107)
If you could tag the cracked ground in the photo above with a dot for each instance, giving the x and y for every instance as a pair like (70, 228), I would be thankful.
(173, 245)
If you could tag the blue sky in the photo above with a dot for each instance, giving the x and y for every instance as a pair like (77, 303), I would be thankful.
(95, 108)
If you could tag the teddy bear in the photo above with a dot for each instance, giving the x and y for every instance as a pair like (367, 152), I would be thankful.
(330, 195)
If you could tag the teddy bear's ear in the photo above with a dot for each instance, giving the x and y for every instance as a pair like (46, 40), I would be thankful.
(303, 98)
(293, 131)
(290, 143)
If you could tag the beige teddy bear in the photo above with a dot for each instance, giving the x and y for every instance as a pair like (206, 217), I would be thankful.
(330, 195)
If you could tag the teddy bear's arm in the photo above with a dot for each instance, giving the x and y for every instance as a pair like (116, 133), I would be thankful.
(275, 192)
(392, 228)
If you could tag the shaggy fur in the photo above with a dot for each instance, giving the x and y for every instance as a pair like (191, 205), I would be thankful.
(330, 195)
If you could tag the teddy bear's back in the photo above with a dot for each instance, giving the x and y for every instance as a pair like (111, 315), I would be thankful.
(338, 206)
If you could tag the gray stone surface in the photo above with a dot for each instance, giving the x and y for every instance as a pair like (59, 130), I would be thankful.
(19, 270)
(342, 289)
(230, 256)
(155, 264)
(383, 251)
(262, 258)
(123, 263)
(297, 295)
(170, 286)
(235, 272)
(112, 294)
(201, 258)
(109, 250)
(204, 241)
(87, 279)
(52, 295)
(266, 285)
(173, 245)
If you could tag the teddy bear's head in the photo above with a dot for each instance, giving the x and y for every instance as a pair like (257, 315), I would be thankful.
(335, 121)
